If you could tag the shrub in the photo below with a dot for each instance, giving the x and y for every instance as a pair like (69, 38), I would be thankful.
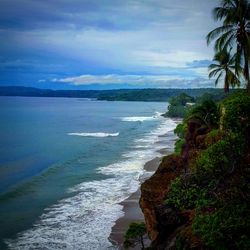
(226, 228)
(177, 111)
(207, 112)
(185, 194)
(217, 160)
(178, 146)
(134, 234)
(236, 113)
(181, 100)
(213, 137)
(177, 107)
(181, 130)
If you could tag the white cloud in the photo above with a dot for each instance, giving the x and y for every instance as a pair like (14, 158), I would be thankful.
(114, 78)
(164, 81)
(175, 59)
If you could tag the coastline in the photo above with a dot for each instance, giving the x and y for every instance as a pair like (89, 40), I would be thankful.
(131, 209)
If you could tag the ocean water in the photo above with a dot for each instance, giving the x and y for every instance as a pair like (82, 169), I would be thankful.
(65, 164)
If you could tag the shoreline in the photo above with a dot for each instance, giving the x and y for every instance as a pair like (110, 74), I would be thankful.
(131, 209)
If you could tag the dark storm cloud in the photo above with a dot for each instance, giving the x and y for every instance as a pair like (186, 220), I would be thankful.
(109, 14)
(103, 37)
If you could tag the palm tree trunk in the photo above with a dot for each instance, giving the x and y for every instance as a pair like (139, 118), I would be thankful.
(248, 78)
(246, 71)
(226, 84)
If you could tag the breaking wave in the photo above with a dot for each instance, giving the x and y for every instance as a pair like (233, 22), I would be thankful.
(98, 134)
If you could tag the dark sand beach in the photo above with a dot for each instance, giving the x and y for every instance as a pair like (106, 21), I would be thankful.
(131, 208)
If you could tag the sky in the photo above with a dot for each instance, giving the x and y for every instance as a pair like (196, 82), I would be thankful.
(105, 44)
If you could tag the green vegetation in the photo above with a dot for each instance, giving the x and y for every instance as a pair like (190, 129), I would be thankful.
(226, 227)
(178, 105)
(179, 145)
(181, 105)
(181, 130)
(234, 33)
(224, 66)
(134, 235)
(146, 95)
(207, 113)
(210, 197)
(236, 113)
(186, 194)
(181, 99)
(215, 184)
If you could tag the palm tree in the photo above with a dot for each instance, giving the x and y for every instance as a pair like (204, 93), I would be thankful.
(234, 33)
(224, 66)
(207, 113)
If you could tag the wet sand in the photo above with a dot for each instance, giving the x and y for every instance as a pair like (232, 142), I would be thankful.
(131, 208)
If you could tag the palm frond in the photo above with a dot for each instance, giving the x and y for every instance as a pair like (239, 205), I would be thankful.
(219, 13)
(216, 32)
(223, 42)
(218, 78)
(213, 66)
(214, 73)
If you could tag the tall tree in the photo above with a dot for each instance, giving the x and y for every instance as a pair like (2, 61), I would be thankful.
(234, 33)
(224, 66)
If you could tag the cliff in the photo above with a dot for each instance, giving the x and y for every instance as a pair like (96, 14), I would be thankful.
(199, 198)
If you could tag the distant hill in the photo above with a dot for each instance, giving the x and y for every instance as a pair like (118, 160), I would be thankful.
(146, 95)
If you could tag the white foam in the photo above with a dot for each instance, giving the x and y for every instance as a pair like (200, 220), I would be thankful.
(84, 221)
(156, 115)
(144, 149)
(98, 134)
(138, 118)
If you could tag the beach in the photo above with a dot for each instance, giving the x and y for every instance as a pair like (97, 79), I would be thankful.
(131, 208)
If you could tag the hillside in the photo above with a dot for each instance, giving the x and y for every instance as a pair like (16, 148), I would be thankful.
(199, 196)
(157, 95)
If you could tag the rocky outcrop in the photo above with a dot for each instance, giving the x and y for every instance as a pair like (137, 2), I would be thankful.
(159, 218)
(163, 222)
(207, 206)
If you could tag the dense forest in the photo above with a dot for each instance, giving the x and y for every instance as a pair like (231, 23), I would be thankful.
(157, 95)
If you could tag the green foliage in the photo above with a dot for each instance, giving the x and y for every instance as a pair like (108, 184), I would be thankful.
(159, 95)
(221, 201)
(177, 107)
(216, 97)
(181, 130)
(223, 66)
(213, 136)
(220, 158)
(236, 112)
(186, 194)
(181, 100)
(134, 234)
(177, 111)
(233, 33)
(207, 112)
(226, 228)
(180, 244)
(179, 145)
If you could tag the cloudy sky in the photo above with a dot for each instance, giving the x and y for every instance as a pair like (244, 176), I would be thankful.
(89, 44)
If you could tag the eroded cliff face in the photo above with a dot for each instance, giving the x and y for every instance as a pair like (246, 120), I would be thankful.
(163, 222)
(153, 193)
(207, 205)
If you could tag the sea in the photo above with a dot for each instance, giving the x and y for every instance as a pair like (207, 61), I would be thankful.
(67, 163)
